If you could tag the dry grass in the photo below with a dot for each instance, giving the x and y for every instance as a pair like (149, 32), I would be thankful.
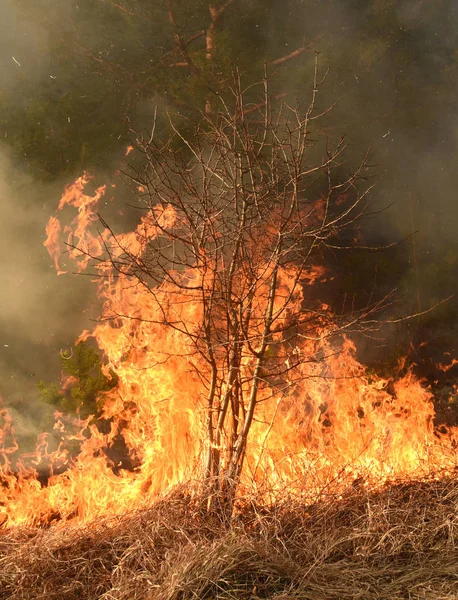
(398, 543)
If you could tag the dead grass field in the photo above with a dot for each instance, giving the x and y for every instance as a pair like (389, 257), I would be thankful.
(397, 543)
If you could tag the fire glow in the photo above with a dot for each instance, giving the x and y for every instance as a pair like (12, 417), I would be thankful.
(336, 423)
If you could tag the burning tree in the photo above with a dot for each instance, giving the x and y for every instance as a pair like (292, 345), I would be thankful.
(235, 219)
(226, 365)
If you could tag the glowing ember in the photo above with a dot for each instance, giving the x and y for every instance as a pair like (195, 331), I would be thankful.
(336, 423)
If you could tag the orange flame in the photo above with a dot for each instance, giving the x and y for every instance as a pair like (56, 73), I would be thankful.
(443, 367)
(337, 422)
(52, 243)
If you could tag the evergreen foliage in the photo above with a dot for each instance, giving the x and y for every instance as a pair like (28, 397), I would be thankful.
(86, 382)
(107, 64)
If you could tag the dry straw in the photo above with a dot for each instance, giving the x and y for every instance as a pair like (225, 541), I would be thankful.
(397, 543)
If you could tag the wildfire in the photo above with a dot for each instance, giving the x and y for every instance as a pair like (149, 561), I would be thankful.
(335, 422)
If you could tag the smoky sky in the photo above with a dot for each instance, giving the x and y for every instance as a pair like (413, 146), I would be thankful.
(401, 103)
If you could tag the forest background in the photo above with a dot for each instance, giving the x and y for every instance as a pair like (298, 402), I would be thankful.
(80, 78)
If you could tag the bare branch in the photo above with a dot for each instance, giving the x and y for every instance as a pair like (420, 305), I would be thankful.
(181, 44)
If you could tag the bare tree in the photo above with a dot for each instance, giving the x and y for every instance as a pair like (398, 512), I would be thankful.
(239, 211)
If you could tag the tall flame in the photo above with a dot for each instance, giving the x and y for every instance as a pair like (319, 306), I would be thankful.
(339, 423)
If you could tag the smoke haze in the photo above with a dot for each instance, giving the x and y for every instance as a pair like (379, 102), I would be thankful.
(395, 84)
(40, 313)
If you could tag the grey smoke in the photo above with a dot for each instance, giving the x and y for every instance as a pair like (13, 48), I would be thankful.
(40, 313)
(386, 105)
